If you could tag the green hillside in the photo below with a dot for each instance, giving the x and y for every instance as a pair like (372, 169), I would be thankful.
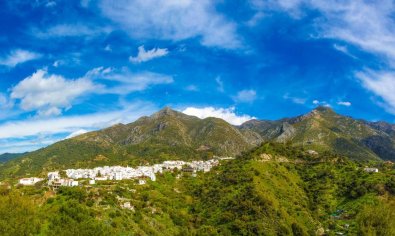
(274, 189)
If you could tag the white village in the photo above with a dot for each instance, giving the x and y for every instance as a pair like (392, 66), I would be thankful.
(141, 173)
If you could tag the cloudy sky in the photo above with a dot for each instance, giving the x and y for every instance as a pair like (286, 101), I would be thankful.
(68, 67)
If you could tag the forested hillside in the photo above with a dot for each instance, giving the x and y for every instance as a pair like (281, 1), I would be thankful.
(274, 189)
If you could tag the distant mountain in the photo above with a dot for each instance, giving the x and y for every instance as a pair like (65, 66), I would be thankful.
(9, 156)
(324, 130)
(169, 134)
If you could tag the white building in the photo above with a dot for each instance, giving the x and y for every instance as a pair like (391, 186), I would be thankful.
(30, 181)
(371, 170)
(53, 176)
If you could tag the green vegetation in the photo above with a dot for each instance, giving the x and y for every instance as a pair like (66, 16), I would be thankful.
(274, 189)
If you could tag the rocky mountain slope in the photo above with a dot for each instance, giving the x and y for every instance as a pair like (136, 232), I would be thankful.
(324, 130)
(169, 134)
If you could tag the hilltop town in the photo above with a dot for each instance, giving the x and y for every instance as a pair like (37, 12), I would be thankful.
(142, 173)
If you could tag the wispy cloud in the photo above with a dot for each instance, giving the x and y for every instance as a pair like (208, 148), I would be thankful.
(173, 20)
(124, 81)
(343, 49)
(144, 55)
(344, 103)
(382, 84)
(17, 135)
(76, 133)
(220, 84)
(321, 103)
(18, 56)
(368, 26)
(296, 100)
(246, 96)
(227, 114)
(65, 124)
(365, 24)
(70, 30)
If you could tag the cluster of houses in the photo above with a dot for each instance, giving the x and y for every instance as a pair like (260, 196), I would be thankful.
(55, 180)
(120, 173)
(141, 172)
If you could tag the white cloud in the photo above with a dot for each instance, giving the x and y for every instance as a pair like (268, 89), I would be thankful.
(68, 124)
(227, 114)
(364, 24)
(173, 20)
(70, 30)
(344, 103)
(321, 103)
(382, 84)
(76, 133)
(49, 94)
(296, 100)
(57, 63)
(50, 4)
(23, 145)
(245, 96)
(144, 55)
(126, 81)
(18, 56)
(344, 50)
(28, 135)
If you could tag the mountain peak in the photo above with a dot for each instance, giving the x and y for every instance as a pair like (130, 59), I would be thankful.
(165, 111)
(323, 109)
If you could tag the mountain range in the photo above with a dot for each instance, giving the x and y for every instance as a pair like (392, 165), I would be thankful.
(169, 134)
(9, 156)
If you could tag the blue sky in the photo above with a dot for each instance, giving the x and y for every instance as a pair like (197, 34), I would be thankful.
(68, 67)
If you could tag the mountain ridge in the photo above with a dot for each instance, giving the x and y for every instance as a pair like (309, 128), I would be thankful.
(169, 134)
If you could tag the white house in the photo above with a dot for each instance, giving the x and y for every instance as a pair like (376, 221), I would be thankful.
(370, 170)
(53, 176)
(30, 181)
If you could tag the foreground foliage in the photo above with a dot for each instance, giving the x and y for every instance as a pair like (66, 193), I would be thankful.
(274, 189)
